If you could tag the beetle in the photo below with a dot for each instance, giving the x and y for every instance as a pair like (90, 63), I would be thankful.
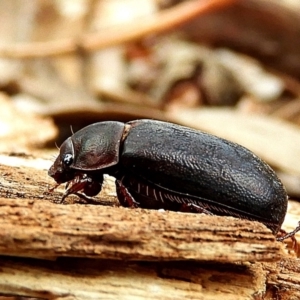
(163, 165)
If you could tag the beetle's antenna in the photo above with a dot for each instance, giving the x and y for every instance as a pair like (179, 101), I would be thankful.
(56, 146)
(71, 129)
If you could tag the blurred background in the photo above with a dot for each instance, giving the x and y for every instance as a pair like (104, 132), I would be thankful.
(228, 67)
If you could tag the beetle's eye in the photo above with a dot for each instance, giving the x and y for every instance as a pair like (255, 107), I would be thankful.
(67, 159)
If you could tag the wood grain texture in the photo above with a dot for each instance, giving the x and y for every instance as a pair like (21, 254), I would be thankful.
(84, 279)
(41, 229)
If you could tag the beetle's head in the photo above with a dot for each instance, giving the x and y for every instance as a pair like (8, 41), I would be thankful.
(91, 149)
(61, 170)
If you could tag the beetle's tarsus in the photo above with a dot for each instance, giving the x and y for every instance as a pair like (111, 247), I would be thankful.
(285, 235)
(90, 200)
(289, 234)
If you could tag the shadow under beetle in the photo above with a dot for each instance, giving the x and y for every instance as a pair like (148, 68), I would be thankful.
(163, 165)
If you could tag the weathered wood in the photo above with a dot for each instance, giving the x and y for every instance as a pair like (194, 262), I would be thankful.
(25, 176)
(40, 229)
(283, 280)
(83, 279)
(205, 257)
(104, 279)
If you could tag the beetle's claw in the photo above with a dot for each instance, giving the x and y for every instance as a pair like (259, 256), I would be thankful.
(290, 234)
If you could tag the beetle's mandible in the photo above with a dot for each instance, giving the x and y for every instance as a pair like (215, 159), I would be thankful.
(162, 165)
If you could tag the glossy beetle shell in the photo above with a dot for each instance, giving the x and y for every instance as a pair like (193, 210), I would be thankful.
(224, 177)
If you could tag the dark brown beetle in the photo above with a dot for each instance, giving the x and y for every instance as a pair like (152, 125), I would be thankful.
(163, 165)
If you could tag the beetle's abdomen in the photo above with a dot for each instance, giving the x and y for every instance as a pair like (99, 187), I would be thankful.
(199, 164)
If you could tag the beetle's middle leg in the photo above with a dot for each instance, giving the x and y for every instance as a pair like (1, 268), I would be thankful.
(124, 196)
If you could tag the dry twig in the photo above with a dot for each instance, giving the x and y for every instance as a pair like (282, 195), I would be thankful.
(154, 24)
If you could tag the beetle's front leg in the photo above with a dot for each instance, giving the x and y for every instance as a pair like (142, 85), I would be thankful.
(82, 182)
(124, 196)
